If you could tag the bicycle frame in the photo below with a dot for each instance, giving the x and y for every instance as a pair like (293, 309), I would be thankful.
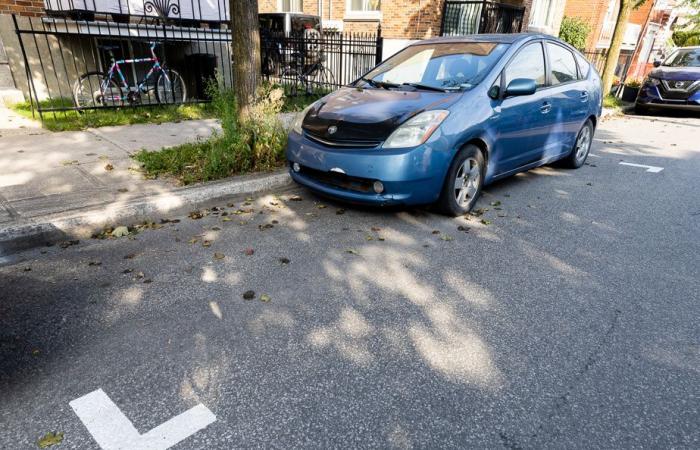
(139, 88)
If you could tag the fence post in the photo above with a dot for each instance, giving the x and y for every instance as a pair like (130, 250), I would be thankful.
(380, 46)
(30, 78)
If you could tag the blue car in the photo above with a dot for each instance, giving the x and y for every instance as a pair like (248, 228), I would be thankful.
(444, 117)
(673, 84)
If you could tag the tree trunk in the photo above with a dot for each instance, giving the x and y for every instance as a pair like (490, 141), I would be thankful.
(245, 52)
(614, 51)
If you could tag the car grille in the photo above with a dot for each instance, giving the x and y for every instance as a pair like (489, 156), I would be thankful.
(677, 90)
(339, 180)
(351, 143)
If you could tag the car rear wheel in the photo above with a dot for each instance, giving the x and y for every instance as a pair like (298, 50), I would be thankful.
(463, 183)
(582, 146)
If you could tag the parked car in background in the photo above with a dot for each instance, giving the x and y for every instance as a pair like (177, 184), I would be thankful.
(444, 117)
(673, 84)
(274, 54)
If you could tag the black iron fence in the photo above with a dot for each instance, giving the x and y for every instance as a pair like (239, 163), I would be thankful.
(87, 60)
(475, 17)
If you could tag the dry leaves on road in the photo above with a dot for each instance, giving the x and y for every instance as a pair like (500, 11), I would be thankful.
(49, 439)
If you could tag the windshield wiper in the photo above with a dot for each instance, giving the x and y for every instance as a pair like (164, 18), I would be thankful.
(377, 83)
(427, 87)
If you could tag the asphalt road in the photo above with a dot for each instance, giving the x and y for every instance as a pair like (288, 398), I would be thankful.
(568, 318)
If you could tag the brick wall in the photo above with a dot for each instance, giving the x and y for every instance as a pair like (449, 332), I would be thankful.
(400, 19)
(32, 8)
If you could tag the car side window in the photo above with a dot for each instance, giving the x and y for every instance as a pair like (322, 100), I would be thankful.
(562, 64)
(528, 63)
(583, 67)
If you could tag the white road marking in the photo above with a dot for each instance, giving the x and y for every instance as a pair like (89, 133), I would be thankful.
(114, 431)
(652, 169)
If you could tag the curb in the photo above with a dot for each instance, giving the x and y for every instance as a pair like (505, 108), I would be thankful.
(84, 223)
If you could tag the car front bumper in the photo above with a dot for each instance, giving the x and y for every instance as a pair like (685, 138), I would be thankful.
(410, 176)
(650, 96)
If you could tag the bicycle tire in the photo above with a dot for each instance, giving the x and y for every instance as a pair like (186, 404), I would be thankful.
(291, 82)
(170, 89)
(112, 96)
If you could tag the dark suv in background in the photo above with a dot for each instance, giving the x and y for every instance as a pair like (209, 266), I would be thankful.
(673, 84)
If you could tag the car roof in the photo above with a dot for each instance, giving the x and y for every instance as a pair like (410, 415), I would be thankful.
(498, 38)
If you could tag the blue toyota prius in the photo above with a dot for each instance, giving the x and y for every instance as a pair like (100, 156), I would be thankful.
(444, 117)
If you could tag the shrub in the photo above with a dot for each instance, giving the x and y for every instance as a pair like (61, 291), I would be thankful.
(686, 38)
(253, 144)
(634, 83)
(574, 31)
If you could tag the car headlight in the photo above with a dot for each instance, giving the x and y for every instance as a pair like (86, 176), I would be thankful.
(299, 120)
(653, 81)
(416, 130)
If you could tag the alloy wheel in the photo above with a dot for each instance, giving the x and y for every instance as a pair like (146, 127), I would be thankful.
(467, 181)
(583, 143)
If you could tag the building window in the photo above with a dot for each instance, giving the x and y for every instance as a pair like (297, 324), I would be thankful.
(363, 9)
(542, 15)
(608, 27)
(290, 5)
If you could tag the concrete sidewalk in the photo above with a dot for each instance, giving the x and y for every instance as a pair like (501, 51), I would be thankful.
(53, 184)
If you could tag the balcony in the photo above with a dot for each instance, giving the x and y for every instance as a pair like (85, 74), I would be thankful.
(460, 18)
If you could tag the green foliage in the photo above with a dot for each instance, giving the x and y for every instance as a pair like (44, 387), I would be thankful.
(73, 120)
(253, 144)
(574, 31)
(634, 83)
(686, 38)
(610, 101)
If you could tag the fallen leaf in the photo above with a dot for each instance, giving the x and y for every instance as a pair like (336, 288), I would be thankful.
(369, 238)
(226, 219)
(50, 439)
(446, 237)
(193, 241)
(27, 269)
(351, 251)
(284, 260)
(265, 298)
(147, 280)
(249, 251)
(127, 270)
(463, 228)
(248, 295)
(321, 206)
(219, 256)
(206, 244)
(340, 211)
(375, 229)
(496, 203)
(486, 222)
(120, 231)
(295, 198)
(122, 190)
(436, 232)
(195, 215)
(66, 244)
(109, 167)
(36, 352)
(94, 263)
(215, 229)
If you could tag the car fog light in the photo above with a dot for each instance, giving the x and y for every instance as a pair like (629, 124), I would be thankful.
(378, 187)
(296, 167)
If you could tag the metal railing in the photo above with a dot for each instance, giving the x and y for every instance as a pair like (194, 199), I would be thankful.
(59, 51)
(477, 17)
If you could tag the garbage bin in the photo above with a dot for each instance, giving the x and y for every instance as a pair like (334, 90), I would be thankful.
(203, 67)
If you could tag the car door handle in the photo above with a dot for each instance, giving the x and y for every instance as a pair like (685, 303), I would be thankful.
(584, 96)
(545, 108)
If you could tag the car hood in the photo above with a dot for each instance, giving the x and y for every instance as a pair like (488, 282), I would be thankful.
(369, 115)
(676, 73)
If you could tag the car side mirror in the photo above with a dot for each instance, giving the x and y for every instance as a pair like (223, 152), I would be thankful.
(521, 86)
(657, 63)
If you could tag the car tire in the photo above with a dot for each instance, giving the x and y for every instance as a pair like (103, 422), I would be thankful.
(463, 182)
(641, 109)
(581, 148)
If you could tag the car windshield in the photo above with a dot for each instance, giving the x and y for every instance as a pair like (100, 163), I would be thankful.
(448, 66)
(684, 57)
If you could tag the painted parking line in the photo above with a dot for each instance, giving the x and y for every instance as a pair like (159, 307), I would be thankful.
(651, 169)
(114, 431)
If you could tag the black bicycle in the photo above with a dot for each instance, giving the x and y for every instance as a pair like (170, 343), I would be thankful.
(308, 75)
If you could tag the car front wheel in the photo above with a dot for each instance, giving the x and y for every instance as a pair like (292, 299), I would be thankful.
(463, 182)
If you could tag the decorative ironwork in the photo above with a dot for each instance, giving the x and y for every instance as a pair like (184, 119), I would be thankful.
(163, 8)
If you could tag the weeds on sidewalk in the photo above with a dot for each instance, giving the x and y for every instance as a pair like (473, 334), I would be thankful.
(610, 101)
(251, 145)
(74, 120)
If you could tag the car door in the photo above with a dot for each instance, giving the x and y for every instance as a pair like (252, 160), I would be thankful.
(522, 123)
(569, 98)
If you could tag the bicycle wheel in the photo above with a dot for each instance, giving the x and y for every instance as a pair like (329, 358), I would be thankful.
(170, 87)
(323, 82)
(292, 82)
(94, 90)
